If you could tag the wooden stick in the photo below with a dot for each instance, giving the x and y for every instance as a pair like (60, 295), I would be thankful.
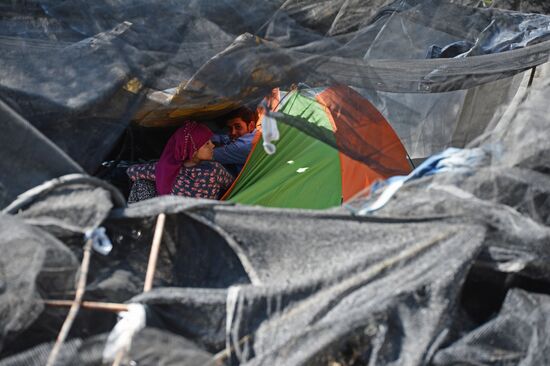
(152, 265)
(75, 306)
(118, 358)
(91, 305)
(221, 356)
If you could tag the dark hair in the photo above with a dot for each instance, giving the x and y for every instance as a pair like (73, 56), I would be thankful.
(243, 113)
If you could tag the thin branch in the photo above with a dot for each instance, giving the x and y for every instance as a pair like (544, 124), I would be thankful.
(75, 306)
(221, 356)
(90, 305)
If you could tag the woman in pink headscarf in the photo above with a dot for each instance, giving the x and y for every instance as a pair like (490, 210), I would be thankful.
(185, 168)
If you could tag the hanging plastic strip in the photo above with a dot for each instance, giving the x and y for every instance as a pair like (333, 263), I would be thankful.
(270, 132)
(120, 339)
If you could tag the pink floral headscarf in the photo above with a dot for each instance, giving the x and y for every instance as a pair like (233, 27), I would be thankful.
(181, 147)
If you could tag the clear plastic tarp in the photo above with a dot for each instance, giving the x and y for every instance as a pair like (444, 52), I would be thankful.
(451, 266)
(81, 71)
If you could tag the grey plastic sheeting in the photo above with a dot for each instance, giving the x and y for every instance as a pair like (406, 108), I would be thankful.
(428, 124)
(28, 158)
(79, 71)
(453, 264)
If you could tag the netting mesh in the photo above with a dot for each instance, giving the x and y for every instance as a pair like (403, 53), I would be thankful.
(79, 72)
(452, 269)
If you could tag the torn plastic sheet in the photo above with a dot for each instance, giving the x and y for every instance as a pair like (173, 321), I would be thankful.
(450, 160)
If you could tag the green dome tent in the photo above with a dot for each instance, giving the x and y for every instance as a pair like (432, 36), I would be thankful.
(315, 172)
